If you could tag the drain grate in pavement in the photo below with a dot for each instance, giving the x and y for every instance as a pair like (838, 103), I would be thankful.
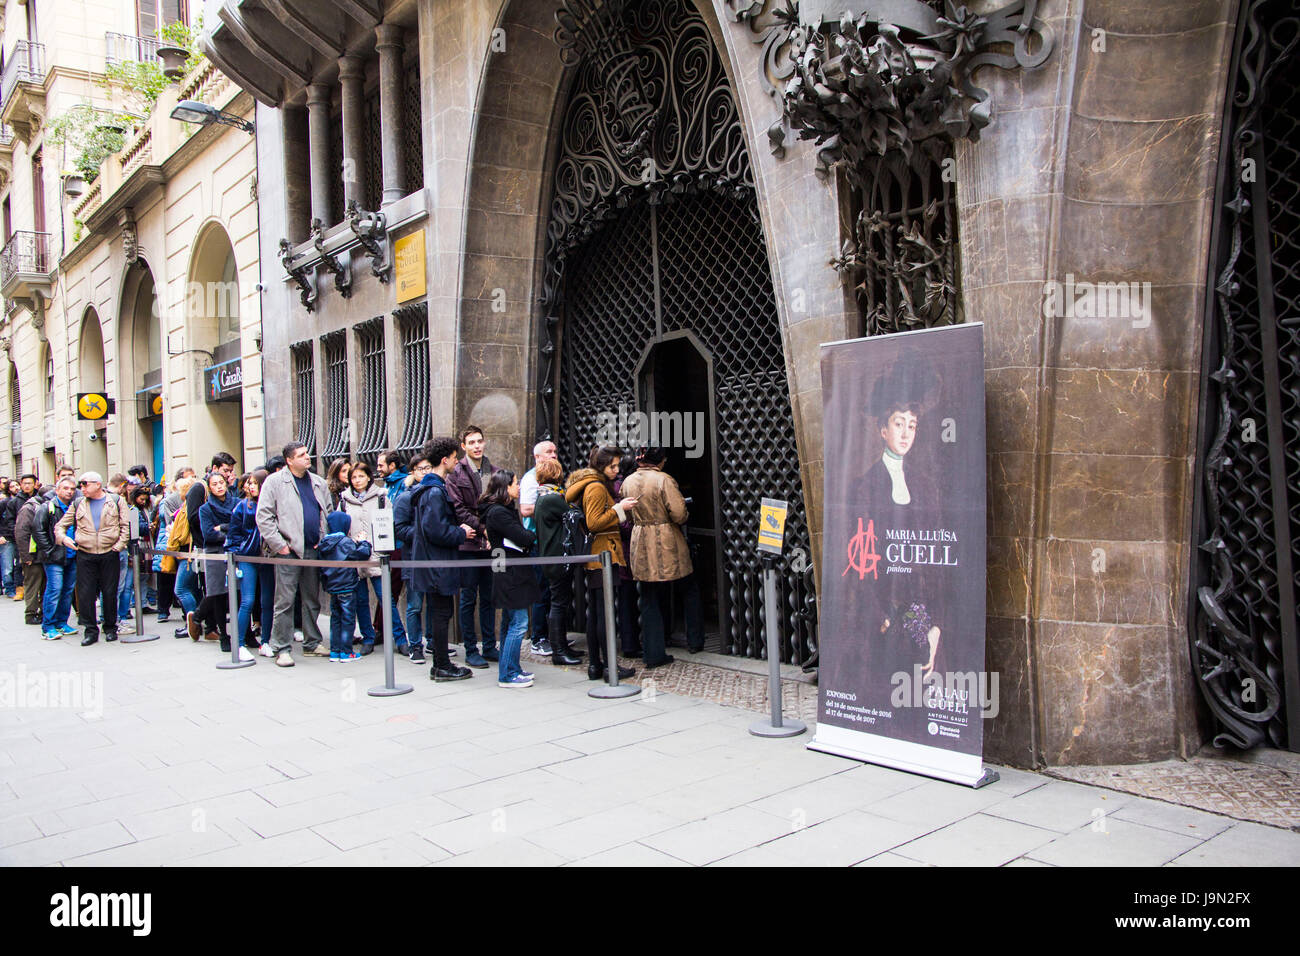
(1244, 791)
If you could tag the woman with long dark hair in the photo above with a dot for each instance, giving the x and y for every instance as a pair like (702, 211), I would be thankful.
(256, 581)
(592, 489)
(214, 522)
(515, 588)
(337, 480)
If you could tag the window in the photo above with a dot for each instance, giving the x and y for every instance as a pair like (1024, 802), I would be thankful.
(49, 380)
(412, 140)
(334, 348)
(374, 391)
(304, 395)
(413, 332)
(152, 15)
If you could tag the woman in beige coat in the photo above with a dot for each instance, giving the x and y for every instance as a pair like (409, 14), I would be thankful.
(660, 555)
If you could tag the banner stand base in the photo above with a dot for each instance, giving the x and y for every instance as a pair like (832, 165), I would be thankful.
(965, 769)
(234, 665)
(136, 638)
(614, 691)
(788, 728)
(395, 691)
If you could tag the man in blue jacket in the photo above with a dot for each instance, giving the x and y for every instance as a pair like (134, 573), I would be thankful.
(391, 466)
(435, 536)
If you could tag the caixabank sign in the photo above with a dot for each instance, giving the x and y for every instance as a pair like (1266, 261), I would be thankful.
(225, 381)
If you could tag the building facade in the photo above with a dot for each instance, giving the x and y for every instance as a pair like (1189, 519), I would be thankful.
(530, 214)
(130, 265)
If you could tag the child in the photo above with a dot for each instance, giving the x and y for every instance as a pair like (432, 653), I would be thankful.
(341, 584)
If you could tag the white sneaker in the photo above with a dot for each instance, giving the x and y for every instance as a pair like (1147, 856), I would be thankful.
(244, 655)
(297, 636)
(284, 659)
(266, 650)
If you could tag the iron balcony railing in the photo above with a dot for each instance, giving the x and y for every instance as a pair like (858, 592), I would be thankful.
(25, 252)
(124, 48)
(26, 64)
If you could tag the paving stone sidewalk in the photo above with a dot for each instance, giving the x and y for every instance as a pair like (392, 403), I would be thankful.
(181, 764)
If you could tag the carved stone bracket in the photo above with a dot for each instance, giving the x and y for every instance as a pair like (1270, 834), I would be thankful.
(130, 239)
(302, 275)
(371, 230)
(340, 267)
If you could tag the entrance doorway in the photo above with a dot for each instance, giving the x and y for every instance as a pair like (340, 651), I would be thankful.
(675, 392)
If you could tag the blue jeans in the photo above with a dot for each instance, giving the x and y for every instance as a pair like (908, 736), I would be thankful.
(7, 560)
(414, 618)
(56, 605)
(255, 579)
(343, 617)
(481, 587)
(187, 587)
(508, 666)
(362, 601)
(126, 593)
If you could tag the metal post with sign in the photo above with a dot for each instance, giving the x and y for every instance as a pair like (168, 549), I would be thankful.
(385, 542)
(771, 544)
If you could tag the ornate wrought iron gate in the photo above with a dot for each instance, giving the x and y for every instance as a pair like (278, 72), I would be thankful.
(1244, 644)
(654, 231)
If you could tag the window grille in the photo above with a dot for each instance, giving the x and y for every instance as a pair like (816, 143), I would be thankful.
(374, 391)
(334, 349)
(373, 150)
(304, 396)
(413, 331)
(412, 141)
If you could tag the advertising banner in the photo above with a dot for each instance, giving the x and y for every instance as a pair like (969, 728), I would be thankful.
(902, 676)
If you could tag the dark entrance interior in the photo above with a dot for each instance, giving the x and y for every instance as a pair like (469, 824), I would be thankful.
(675, 390)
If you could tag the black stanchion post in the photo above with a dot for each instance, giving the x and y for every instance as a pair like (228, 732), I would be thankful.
(390, 688)
(236, 639)
(778, 727)
(612, 688)
(139, 637)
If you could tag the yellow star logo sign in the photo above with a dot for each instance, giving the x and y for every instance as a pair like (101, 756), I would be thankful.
(92, 405)
(156, 405)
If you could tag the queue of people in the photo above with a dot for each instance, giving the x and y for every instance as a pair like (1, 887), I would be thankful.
(68, 545)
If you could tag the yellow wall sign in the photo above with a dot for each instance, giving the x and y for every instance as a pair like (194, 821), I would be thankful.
(771, 526)
(408, 256)
(156, 405)
(92, 406)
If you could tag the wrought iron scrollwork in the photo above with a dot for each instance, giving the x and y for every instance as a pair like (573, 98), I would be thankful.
(371, 230)
(302, 275)
(341, 268)
(1244, 647)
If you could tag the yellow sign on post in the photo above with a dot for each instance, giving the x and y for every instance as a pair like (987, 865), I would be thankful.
(408, 257)
(771, 526)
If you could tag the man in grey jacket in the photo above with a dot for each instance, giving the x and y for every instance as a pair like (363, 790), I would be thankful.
(291, 512)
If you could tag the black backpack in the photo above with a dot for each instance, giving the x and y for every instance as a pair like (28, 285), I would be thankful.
(575, 538)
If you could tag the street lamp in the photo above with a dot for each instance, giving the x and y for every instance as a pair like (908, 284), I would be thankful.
(192, 111)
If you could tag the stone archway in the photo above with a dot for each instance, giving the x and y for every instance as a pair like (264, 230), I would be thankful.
(139, 370)
(90, 373)
(212, 325)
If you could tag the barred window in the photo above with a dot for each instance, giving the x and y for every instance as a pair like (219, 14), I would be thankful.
(49, 379)
(336, 169)
(374, 391)
(334, 353)
(412, 138)
(413, 332)
(15, 396)
(304, 396)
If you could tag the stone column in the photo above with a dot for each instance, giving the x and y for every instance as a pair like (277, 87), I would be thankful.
(351, 75)
(318, 137)
(388, 38)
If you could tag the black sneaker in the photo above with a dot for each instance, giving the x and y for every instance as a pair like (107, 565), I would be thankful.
(542, 648)
(450, 672)
(417, 655)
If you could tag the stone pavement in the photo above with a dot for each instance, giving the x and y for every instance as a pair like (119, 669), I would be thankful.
(177, 763)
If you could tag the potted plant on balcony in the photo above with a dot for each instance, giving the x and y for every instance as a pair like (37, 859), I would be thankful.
(74, 183)
(173, 61)
(89, 135)
(143, 82)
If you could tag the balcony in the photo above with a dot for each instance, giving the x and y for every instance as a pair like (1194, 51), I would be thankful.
(6, 155)
(26, 268)
(123, 48)
(22, 89)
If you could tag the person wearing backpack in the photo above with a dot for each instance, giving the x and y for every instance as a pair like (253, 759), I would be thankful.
(514, 587)
(59, 563)
(28, 558)
(101, 532)
(591, 489)
(548, 511)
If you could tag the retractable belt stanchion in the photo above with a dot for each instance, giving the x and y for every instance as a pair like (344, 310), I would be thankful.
(139, 637)
(778, 727)
(236, 639)
(612, 687)
(390, 688)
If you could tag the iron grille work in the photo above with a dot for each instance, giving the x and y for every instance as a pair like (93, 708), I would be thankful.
(374, 391)
(336, 169)
(25, 253)
(338, 426)
(412, 127)
(15, 396)
(304, 395)
(372, 151)
(25, 64)
(124, 48)
(654, 232)
(413, 332)
(1244, 645)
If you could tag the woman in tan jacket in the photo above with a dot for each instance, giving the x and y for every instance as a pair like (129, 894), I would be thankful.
(660, 556)
(592, 490)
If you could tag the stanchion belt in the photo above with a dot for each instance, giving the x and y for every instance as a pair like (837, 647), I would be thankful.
(317, 563)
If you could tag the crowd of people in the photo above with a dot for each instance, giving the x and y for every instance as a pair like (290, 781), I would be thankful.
(67, 546)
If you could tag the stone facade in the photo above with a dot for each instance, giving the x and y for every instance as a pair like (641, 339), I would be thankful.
(1099, 165)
